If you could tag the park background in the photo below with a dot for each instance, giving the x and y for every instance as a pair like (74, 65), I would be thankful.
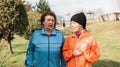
(104, 26)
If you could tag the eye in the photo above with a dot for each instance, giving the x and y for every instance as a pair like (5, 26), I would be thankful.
(48, 19)
(51, 20)
(72, 22)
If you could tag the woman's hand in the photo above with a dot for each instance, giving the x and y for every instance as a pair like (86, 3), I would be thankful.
(76, 52)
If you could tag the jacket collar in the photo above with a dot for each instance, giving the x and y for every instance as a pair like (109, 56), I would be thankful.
(43, 31)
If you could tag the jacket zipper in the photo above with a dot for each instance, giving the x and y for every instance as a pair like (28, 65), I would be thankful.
(76, 58)
(76, 61)
(48, 50)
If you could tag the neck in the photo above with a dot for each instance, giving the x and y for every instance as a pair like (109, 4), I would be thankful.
(48, 31)
(77, 33)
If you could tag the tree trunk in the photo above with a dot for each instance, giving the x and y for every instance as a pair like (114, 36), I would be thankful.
(10, 47)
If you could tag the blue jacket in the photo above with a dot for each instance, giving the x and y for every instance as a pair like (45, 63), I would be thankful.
(44, 50)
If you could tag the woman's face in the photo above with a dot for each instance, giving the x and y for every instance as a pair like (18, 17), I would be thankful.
(49, 22)
(76, 27)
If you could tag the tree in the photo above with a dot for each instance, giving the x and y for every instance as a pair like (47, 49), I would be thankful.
(42, 6)
(13, 20)
(34, 23)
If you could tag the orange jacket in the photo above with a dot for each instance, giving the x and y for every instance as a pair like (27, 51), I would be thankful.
(91, 54)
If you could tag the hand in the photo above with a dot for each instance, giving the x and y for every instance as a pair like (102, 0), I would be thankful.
(76, 52)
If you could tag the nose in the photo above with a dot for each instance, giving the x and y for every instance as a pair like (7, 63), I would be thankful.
(51, 21)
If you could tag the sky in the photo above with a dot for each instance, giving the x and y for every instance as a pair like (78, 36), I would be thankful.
(63, 7)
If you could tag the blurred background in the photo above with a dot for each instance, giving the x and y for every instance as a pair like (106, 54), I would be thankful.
(19, 19)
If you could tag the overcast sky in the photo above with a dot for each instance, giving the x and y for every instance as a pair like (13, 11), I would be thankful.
(62, 7)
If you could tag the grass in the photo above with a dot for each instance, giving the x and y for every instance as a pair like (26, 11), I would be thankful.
(17, 59)
(107, 35)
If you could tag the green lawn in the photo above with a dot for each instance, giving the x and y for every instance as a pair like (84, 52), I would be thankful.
(17, 59)
(107, 35)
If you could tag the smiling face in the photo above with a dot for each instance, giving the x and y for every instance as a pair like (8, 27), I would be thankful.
(76, 27)
(49, 22)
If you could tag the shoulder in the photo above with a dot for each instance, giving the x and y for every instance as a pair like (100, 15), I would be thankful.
(91, 38)
(71, 35)
(36, 31)
(58, 31)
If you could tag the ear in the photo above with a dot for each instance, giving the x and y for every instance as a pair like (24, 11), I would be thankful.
(43, 23)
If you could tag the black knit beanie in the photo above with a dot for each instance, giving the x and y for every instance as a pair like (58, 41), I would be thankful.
(79, 18)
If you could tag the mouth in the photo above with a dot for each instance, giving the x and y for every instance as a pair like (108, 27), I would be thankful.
(50, 25)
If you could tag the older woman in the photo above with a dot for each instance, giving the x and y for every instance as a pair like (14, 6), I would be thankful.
(45, 45)
(80, 48)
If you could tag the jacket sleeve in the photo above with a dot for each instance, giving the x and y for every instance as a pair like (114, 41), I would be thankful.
(29, 54)
(67, 53)
(63, 62)
(93, 53)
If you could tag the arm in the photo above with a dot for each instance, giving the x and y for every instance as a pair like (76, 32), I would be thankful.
(67, 53)
(93, 53)
(63, 62)
(29, 54)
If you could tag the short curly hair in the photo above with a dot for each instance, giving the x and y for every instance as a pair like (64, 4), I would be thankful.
(45, 14)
